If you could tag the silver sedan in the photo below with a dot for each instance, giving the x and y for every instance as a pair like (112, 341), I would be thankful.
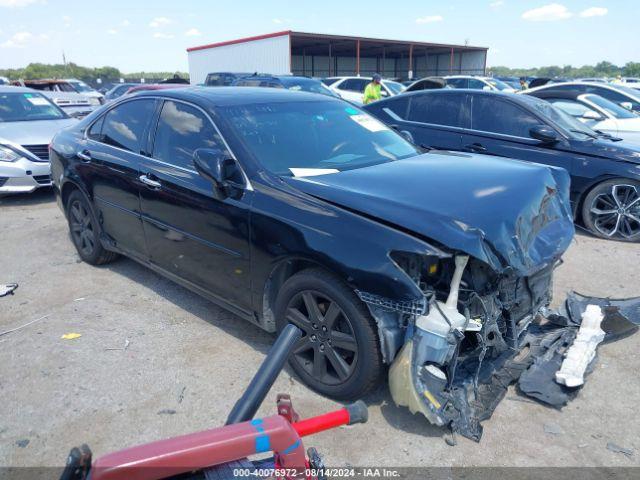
(28, 122)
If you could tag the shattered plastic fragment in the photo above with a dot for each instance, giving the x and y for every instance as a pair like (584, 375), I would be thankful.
(70, 336)
(583, 349)
(7, 289)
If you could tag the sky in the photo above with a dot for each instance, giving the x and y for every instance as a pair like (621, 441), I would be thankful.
(153, 36)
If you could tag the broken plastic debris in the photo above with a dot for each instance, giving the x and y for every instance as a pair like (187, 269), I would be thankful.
(583, 349)
(70, 336)
(618, 449)
(7, 289)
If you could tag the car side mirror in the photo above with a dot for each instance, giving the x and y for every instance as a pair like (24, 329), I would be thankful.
(384, 93)
(591, 115)
(627, 105)
(222, 170)
(544, 134)
(486, 88)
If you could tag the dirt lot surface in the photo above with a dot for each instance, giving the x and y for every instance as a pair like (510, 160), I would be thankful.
(187, 361)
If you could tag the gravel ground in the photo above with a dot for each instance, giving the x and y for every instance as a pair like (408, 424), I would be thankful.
(187, 361)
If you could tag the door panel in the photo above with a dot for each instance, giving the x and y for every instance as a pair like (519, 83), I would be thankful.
(190, 233)
(110, 159)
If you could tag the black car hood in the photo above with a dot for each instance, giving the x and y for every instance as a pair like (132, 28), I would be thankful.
(621, 151)
(507, 213)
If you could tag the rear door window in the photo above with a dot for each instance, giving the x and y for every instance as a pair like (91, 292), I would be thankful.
(124, 126)
(491, 114)
(181, 130)
(354, 85)
(440, 109)
(476, 84)
(458, 82)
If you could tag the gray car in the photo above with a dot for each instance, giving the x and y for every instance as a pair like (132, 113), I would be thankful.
(28, 122)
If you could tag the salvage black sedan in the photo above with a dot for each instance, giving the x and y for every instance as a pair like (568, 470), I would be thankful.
(605, 172)
(295, 207)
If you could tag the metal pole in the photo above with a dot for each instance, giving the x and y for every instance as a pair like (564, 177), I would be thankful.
(451, 62)
(330, 69)
(358, 57)
(263, 380)
(410, 72)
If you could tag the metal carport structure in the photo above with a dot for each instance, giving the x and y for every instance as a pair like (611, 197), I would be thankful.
(321, 55)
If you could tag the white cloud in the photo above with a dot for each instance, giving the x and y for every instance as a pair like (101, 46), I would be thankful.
(277, 21)
(112, 31)
(547, 13)
(17, 3)
(594, 12)
(18, 40)
(158, 22)
(496, 4)
(66, 21)
(162, 35)
(125, 23)
(193, 32)
(429, 19)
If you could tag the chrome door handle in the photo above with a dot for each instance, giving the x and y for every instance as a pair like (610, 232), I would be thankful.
(84, 155)
(148, 181)
(476, 147)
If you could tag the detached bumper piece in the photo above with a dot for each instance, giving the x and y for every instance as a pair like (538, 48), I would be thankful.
(473, 386)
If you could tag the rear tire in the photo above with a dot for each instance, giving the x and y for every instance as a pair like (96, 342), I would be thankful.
(612, 210)
(85, 231)
(339, 353)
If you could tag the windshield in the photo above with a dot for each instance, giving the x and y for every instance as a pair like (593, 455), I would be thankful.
(395, 87)
(22, 107)
(572, 127)
(80, 86)
(314, 135)
(499, 84)
(306, 85)
(611, 108)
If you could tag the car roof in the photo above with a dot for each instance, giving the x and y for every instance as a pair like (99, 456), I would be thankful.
(551, 93)
(459, 91)
(482, 77)
(230, 96)
(14, 89)
(44, 81)
(549, 86)
(157, 86)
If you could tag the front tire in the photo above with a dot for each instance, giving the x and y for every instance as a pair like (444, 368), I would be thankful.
(85, 231)
(612, 210)
(339, 353)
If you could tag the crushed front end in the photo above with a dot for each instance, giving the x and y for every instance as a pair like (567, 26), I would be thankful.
(473, 316)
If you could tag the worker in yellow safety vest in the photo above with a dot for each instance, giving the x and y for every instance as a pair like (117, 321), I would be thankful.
(372, 90)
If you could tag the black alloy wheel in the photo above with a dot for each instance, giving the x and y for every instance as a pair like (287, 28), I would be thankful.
(84, 236)
(612, 210)
(85, 231)
(328, 351)
(339, 354)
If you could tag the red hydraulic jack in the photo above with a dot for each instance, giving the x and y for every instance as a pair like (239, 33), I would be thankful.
(221, 453)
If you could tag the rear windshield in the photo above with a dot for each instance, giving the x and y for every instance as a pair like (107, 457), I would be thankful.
(306, 85)
(23, 107)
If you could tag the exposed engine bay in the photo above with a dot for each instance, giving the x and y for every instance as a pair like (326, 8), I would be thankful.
(479, 332)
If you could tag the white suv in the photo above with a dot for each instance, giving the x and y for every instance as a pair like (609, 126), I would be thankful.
(352, 88)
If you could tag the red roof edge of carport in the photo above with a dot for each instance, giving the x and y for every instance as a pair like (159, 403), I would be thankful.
(240, 40)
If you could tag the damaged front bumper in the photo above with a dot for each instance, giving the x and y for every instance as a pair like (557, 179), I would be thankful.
(454, 368)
